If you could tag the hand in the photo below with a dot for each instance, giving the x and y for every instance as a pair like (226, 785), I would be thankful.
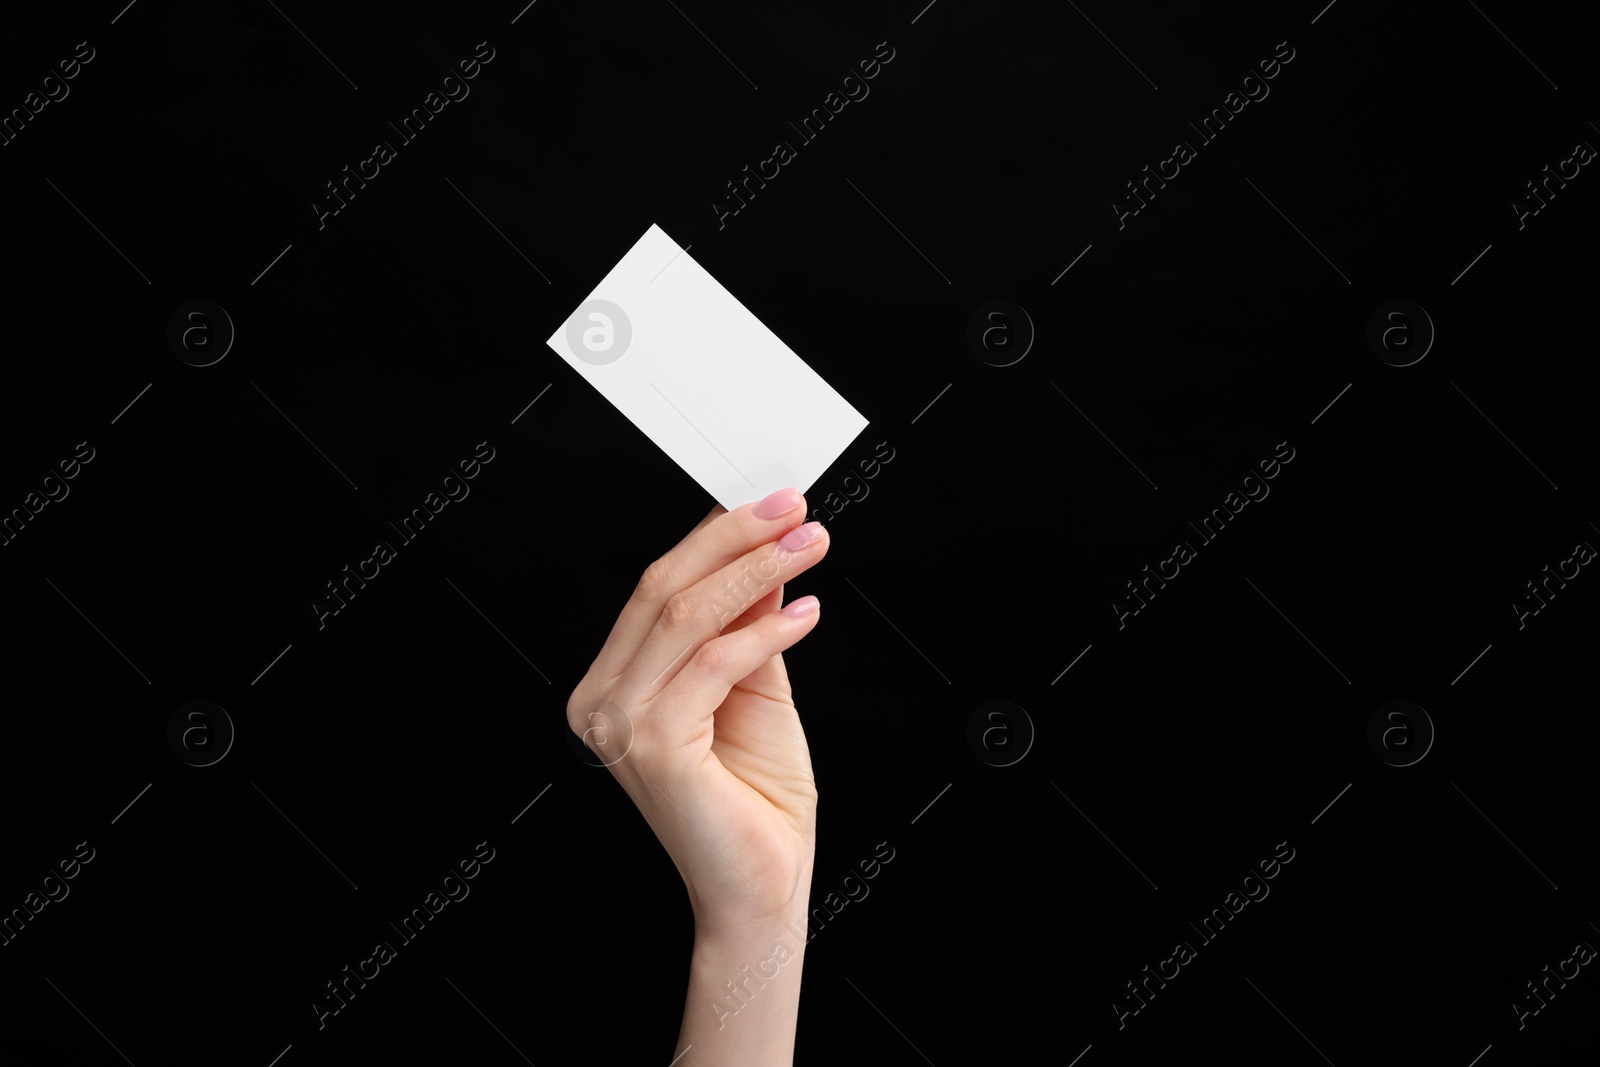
(698, 724)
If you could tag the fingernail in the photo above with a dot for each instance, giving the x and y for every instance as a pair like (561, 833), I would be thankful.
(804, 606)
(778, 504)
(800, 536)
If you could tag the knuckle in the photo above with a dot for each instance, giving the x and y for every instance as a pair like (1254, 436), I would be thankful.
(680, 611)
(653, 583)
(577, 706)
(716, 656)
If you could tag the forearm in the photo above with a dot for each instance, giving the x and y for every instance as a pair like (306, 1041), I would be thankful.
(744, 993)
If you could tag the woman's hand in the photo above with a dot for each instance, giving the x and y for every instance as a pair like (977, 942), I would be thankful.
(689, 705)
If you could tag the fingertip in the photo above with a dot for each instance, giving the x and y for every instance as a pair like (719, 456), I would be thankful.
(799, 609)
(777, 505)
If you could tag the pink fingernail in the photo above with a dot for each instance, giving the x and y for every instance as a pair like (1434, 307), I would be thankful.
(804, 606)
(800, 536)
(778, 504)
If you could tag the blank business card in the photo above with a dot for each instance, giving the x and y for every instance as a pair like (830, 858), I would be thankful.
(705, 380)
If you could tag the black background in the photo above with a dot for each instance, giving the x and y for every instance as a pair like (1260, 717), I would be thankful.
(1177, 750)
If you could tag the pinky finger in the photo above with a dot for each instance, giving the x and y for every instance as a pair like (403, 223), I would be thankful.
(719, 665)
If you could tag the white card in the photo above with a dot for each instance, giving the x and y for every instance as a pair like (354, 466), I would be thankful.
(705, 380)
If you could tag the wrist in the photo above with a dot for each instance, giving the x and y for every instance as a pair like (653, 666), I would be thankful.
(752, 936)
(744, 991)
(749, 972)
(744, 924)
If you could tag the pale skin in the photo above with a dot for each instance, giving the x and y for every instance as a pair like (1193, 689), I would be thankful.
(689, 705)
